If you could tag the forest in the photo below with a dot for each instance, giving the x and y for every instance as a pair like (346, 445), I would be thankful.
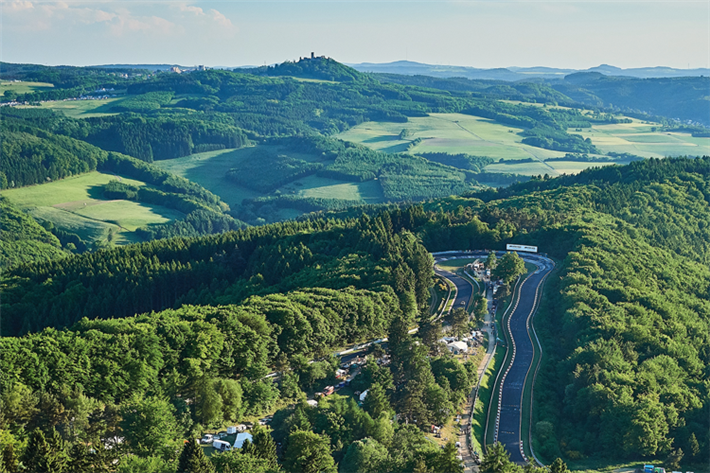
(626, 326)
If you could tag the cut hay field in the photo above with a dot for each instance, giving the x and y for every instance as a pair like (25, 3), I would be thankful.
(642, 139)
(448, 133)
(75, 205)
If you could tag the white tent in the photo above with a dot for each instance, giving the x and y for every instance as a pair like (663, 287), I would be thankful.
(241, 438)
(363, 395)
(457, 348)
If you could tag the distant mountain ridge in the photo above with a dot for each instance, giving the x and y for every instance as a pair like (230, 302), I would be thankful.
(521, 73)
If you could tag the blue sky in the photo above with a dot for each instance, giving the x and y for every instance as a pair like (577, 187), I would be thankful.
(573, 34)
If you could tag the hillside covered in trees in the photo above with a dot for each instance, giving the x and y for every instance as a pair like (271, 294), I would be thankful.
(112, 358)
(186, 328)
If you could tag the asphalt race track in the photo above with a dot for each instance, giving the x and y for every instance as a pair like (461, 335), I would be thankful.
(509, 428)
(463, 288)
(510, 421)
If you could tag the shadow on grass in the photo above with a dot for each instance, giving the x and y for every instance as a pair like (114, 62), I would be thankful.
(96, 192)
(400, 148)
(381, 138)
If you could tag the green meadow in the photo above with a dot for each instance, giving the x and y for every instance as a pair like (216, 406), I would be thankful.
(83, 108)
(83, 188)
(458, 133)
(314, 186)
(209, 169)
(24, 87)
(448, 133)
(76, 205)
(644, 139)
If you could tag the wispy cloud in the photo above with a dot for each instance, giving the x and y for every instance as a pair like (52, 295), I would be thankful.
(121, 17)
(16, 5)
(214, 16)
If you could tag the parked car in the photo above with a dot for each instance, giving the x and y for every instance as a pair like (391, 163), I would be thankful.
(207, 438)
(221, 445)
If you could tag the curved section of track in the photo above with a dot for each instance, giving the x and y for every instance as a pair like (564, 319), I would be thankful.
(464, 290)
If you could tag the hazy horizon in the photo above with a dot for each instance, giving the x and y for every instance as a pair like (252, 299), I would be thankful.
(480, 34)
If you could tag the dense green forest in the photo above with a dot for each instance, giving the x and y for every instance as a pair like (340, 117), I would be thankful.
(680, 98)
(625, 324)
(23, 239)
(156, 378)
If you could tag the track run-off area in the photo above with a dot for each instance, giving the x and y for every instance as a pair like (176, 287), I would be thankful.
(511, 379)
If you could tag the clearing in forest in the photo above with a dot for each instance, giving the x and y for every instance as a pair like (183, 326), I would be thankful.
(76, 205)
(459, 133)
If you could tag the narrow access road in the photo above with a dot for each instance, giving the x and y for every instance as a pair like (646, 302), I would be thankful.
(465, 290)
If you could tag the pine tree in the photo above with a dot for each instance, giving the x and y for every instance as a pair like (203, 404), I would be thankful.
(8, 460)
(376, 401)
(674, 459)
(446, 461)
(420, 467)
(558, 466)
(79, 458)
(264, 445)
(193, 459)
(694, 445)
(44, 455)
(497, 460)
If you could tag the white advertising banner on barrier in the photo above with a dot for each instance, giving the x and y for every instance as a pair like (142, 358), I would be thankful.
(529, 249)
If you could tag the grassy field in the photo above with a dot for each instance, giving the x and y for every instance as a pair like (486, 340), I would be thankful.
(129, 215)
(209, 169)
(642, 139)
(84, 108)
(75, 205)
(448, 133)
(24, 87)
(84, 188)
(458, 133)
(86, 229)
(314, 186)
